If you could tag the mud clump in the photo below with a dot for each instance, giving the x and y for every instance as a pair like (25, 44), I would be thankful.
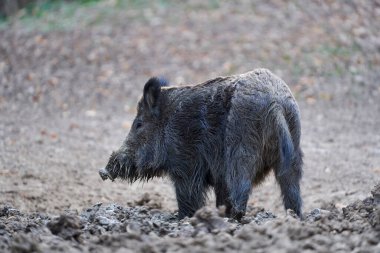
(108, 228)
(208, 220)
(65, 226)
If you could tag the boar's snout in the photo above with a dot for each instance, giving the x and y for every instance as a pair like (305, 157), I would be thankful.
(118, 166)
(105, 175)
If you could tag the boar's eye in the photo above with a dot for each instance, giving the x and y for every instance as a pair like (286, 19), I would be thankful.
(138, 124)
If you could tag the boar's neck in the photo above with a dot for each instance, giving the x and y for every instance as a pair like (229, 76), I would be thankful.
(195, 119)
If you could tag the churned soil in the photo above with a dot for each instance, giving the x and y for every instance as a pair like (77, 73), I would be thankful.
(68, 92)
(110, 228)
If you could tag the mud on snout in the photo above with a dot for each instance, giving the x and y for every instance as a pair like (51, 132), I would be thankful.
(114, 166)
(103, 173)
(119, 165)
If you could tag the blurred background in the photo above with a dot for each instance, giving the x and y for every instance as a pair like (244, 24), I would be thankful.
(71, 73)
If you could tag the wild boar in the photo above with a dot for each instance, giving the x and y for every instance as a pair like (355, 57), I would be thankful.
(227, 133)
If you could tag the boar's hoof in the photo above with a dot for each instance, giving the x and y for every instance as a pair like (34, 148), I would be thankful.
(237, 215)
(104, 174)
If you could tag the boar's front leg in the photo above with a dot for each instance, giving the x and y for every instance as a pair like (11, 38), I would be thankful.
(222, 196)
(191, 195)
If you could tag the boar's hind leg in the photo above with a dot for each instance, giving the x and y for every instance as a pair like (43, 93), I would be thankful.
(288, 168)
(241, 159)
(290, 184)
(190, 195)
(239, 181)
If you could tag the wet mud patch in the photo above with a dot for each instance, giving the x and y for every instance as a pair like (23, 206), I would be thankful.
(109, 228)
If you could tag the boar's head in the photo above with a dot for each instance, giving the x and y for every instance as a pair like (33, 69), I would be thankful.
(143, 154)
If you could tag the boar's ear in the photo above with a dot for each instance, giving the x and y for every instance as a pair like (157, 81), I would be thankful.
(152, 91)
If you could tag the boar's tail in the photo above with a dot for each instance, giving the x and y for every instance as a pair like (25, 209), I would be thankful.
(285, 144)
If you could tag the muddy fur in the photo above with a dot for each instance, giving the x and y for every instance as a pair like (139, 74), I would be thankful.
(227, 133)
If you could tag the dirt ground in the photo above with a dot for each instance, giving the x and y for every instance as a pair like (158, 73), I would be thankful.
(68, 96)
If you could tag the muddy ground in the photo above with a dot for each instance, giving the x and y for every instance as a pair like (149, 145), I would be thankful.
(110, 228)
(68, 91)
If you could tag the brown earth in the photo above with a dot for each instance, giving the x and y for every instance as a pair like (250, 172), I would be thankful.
(68, 95)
